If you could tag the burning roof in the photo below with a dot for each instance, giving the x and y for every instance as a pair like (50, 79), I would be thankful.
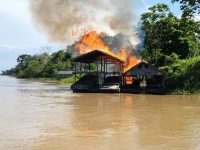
(143, 69)
(96, 55)
(92, 41)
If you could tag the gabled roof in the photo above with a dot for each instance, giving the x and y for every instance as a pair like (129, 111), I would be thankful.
(95, 55)
(143, 69)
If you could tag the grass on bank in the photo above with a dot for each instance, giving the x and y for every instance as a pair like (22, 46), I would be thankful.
(69, 80)
(184, 92)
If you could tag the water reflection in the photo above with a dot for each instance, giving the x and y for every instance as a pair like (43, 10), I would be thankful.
(45, 116)
(98, 113)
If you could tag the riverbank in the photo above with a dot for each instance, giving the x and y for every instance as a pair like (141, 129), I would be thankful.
(67, 81)
(70, 80)
(184, 92)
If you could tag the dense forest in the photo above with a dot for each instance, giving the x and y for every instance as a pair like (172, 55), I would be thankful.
(171, 43)
(41, 66)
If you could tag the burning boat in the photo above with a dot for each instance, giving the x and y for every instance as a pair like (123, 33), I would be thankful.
(115, 71)
(142, 78)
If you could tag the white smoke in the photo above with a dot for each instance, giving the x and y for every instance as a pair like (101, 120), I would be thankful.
(58, 19)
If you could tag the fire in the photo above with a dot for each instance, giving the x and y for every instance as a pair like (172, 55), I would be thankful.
(131, 62)
(129, 80)
(93, 41)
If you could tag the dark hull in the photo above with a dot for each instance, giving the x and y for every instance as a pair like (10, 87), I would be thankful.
(76, 89)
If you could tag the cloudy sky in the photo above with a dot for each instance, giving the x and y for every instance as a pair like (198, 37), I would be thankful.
(18, 34)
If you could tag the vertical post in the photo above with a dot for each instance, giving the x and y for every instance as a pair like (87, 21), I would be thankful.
(101, 64)
(89, 67)
(101, 70)
(122, 75)
(75, 71)
(122, 81)
(97, 66)
(121, 67)
(106, 65)
(80, 70)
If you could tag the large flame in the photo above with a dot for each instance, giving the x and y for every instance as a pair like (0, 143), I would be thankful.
(93, 41)
(131, 61)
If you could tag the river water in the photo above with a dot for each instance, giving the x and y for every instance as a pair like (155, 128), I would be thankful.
(44, 116)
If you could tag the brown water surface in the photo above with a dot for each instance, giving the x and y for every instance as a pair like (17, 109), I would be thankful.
(45, 116)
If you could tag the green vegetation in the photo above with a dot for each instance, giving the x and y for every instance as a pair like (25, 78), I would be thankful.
(69, 80)
(170, 43)
(43, 66)
(183, 75)
(173, 45)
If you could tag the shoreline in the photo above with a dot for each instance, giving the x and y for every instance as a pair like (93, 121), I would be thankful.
(65, 81)
(50, 80)
(70, 81)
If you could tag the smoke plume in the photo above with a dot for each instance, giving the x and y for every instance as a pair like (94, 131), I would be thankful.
(66, 20)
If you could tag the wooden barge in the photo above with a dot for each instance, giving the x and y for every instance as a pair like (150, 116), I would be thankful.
(109, 78)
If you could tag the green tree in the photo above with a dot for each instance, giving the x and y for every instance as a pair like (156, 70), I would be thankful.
(23, 61)
(158, 25)
(34, 69)
(166, 35)
(58, 61)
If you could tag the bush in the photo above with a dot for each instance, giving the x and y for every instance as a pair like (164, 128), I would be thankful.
(183, 75)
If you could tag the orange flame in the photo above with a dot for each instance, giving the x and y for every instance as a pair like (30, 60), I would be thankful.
(131, 62)
(92, 41)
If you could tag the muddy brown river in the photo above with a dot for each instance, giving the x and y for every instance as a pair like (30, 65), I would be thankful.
(45, 116)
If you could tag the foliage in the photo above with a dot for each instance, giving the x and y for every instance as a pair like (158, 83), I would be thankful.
(67, 80)
(166, 35)
(173, 45)
(42, 65)
(183, 75)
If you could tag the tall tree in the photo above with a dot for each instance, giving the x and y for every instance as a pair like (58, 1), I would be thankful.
(23, 61)
(158, 25)
(168, 36)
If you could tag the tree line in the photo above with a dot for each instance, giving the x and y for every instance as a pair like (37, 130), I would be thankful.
(41, 66)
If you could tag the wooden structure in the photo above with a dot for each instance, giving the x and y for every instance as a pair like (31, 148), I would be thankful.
(108, 76)
(145, 78)
(103, 79)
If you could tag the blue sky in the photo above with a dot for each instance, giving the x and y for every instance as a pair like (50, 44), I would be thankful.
(18, 34)
(174, 7)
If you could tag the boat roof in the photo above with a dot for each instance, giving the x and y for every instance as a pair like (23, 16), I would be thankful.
(143, 69)
(96, 55)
